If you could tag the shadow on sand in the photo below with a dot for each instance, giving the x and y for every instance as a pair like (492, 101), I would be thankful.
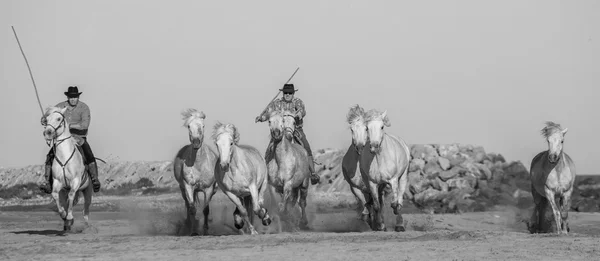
(47, 232)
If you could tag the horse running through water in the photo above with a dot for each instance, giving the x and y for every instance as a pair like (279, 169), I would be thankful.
(68, 168)
(552, 177)
(288, 172)
(194, 169)
(386, 164)
(241, 173)
(358, 128)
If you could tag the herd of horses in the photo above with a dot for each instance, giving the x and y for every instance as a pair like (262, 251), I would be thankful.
(375, 165)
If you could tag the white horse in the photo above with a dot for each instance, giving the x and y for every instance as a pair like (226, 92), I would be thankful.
(356, 121)
(387, 164)
(194, 169)
(289, 171)
(241, 173)
(552, 177)
(68, 168)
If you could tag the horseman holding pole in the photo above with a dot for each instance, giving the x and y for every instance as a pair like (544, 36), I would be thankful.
(78, 117)
(296, 106)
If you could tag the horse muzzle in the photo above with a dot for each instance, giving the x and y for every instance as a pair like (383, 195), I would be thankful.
(196, 143)
(49, 134)
(375, 148)
(553, 158)
(225, 167)
(359, 148)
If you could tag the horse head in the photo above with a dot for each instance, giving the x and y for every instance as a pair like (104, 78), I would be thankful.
(356, 121)
(56, 123)
(194, 122)
(225, 137)
(289, 124)
(555, 136)
(375, 121)
(276, 125)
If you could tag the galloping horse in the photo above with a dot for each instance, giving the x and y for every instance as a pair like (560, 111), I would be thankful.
(68, 168)
(241, 173)
(288, 172)
(552, 177)
(387, 164)
(356, 121)
(194, 169)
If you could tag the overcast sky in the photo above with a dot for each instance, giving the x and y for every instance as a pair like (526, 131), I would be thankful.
(487, 73)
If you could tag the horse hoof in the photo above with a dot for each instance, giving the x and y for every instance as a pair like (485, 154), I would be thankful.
(304, 225)
(400, 229)
(266, 221)
(240, 225)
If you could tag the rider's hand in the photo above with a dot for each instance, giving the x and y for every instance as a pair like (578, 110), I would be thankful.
(43, 121)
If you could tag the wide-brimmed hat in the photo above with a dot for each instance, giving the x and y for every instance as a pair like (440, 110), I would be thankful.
(73, 92)
(288, 88)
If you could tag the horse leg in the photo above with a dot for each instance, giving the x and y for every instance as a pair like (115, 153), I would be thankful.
(550, 196)
(71, 196)
(87, 197)
(56, 196)
(240, 215)
(565, 201)
(535, 224)
(368, 211)
(398, 200)
(362, 203)
(188, 195)
(247, 200)
(378, 224)
(208, 194)
(302, 203)
(381, 212)
(257, 203)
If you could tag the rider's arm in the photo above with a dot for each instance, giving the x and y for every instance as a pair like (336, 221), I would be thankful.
(300, 110)
(85, 117)
(265, 115)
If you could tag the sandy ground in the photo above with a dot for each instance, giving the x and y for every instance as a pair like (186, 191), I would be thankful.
(150, 228)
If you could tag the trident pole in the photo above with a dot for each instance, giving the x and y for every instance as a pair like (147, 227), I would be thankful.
(29, 68)
(280, 91)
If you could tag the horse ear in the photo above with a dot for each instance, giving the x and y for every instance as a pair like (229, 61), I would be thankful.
(63, 110)
(202, 115)
(565, 131)
(386, 120)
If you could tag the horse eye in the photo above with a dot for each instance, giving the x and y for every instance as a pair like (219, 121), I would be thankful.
(382, 127)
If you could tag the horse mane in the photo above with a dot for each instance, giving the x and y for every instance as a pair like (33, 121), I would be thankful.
(356, 113)
(550, 128)
(50, 110)
(374, 114)
(228, 128)
(191, 114)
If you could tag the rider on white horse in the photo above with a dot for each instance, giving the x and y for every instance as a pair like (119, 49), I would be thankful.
(78, 117)
(294, 105)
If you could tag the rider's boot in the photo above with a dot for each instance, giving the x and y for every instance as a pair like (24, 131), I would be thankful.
(46, 186)
(93, 171)
(314, 178)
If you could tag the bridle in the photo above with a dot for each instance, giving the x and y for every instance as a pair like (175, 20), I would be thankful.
(56, 142)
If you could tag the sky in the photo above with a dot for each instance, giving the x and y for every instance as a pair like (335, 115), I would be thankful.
(487, 73)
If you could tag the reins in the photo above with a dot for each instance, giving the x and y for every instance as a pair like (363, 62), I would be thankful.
(58, 142)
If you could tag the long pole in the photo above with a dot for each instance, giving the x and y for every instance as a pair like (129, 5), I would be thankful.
(280, 91)
(29, 68)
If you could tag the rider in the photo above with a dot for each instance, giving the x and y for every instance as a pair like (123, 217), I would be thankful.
(78, 117)
(294, 105)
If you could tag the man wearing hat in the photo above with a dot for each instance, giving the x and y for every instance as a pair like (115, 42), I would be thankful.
(294, 105)
(78, 117)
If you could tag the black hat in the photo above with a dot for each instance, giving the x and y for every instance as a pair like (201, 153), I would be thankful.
(73, 92)
(288, 88)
